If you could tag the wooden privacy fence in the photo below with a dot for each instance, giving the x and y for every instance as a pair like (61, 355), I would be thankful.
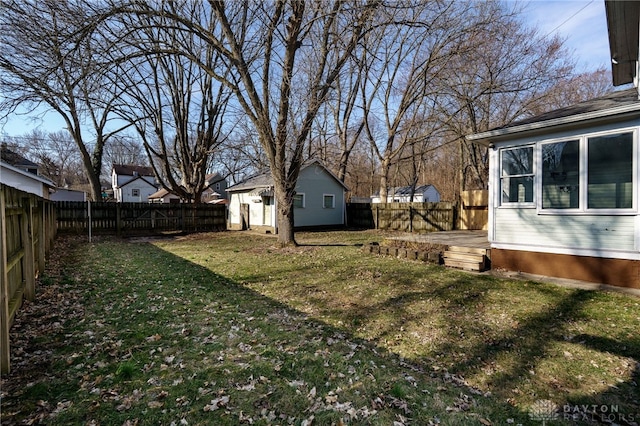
(28, 230)
(405, 217)
(135, 218)
(474, 213)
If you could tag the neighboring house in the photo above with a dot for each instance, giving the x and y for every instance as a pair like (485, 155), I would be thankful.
(421, 194)
(163, 196)
(564, 186)
(319, 200)
(20, 173)
(214, 183)
(63, 194)
(216, 189)
(132, 183)
(136, 190)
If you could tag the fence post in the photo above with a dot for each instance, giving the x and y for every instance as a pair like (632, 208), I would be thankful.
(89, 217)
(4, 292)
(410, 219)
(41, 239)
(118, 220)
(27, 244)
(377, 220)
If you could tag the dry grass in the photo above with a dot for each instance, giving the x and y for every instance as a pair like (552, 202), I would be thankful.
(227, 329)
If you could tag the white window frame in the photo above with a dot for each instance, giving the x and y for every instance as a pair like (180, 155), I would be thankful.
(301, 195)
(333, 201)
(516, 204)
(584, 177)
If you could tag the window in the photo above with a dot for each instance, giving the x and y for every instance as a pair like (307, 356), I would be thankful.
(610, 172)
(516, 175)
(135, 192)
(298, 201)
(329, 201)
(589, 173)
(561, 175)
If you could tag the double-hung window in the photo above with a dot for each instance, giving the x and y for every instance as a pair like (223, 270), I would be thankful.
(516, 175)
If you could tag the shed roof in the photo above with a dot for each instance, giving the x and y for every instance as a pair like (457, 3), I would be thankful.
(406, 190)
(264, 179)
(13, 158)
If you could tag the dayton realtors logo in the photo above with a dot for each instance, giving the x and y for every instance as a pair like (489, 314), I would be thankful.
(545, 411)
(597, 413)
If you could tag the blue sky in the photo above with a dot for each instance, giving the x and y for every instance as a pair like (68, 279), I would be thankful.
(581, 22)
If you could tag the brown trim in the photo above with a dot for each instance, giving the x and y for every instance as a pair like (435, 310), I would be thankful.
(618, 272)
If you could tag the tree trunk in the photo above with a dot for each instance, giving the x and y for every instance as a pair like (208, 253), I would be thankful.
(384, 180)
(284, 217)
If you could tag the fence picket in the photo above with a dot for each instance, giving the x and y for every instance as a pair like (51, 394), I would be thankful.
(404, 217)
(129, 218)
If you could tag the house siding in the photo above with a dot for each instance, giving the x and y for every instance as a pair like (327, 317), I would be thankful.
(256, 212)
(314, 182)
(24, 182)
(600, 234)
(593, 246)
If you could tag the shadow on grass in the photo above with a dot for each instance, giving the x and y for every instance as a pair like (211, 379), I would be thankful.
(140, 291)
(527, 343)
(531, 341)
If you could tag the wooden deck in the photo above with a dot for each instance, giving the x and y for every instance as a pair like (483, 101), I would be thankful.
(459, 238)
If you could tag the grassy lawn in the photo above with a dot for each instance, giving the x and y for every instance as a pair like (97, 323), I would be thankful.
(224, 328)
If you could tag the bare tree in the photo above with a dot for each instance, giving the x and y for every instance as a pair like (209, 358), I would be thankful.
(261, 45)
(123, 149)
(46, 62)
(340, 123)
(574, 89)
(241, 155)
(503, 71)
(176, 107)
(402, 62)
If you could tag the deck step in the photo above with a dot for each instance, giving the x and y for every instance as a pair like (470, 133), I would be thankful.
(464, 264)
(461, 249)
(469, 258)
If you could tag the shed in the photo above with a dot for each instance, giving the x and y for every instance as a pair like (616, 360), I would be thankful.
(319, 200)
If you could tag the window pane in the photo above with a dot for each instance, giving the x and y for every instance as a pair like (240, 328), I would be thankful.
(560, 175)
(298, 200)
(517, 161)
(517, 189)
(328, 202)
(610, 172)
